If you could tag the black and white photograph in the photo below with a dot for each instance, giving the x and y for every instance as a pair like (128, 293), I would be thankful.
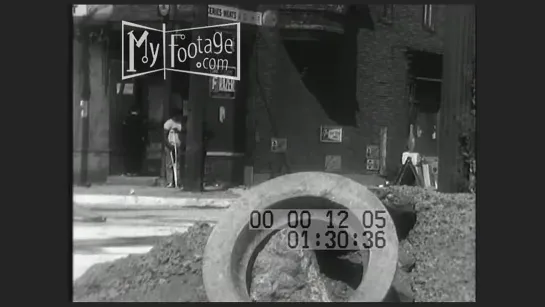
(273, 152)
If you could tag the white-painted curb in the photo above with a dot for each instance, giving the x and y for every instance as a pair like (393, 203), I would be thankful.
(128, 201)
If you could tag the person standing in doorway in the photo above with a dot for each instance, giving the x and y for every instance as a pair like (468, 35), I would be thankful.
(173, 137)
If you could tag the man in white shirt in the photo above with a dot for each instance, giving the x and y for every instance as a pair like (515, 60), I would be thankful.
(173, 135)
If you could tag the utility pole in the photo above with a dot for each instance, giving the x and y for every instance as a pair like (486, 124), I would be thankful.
(456, 93)
(198, 89)
(82, 29)
(248, 39)
(167, 18)
(85, 96)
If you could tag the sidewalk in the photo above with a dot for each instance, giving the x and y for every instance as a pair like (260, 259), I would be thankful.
(137, 197)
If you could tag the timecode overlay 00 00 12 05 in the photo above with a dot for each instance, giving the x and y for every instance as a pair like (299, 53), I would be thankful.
(325, 229)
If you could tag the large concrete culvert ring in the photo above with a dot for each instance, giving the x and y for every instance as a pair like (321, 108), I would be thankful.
(232, 245)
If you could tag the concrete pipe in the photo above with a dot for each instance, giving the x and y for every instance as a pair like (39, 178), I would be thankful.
(232, 247)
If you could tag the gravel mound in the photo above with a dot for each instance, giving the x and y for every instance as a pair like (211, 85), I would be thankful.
(442, 243)
(437, 259)
(170, 272)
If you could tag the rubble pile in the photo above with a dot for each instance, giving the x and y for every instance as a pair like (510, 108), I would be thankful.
(281, 274)
(443, 244)
(436, 261)
(170, 272)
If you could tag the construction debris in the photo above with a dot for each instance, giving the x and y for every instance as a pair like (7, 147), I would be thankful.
(436, 260)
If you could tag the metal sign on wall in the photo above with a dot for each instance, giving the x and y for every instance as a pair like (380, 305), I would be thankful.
(373, 165)
(372, 152)
(234, 14)
(331, 134)
(333, 163)
(221, 87)
(279, 144)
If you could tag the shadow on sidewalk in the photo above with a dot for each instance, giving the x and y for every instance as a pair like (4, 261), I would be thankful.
(87, 216)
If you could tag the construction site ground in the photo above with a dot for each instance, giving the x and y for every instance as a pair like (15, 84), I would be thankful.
(127, 231)
(167, 268)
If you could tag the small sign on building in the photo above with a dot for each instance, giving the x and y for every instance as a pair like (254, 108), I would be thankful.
(373, 165)
(372, 152)
(128, 89)
(125, 88)
(279, 144)
(331, 134)
(221, 87)
(234, 14)
(333, 163)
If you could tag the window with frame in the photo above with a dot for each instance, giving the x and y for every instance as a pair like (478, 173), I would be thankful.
(387, 15)
(428, 17)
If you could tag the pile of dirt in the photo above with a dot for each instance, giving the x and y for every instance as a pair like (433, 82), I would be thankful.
(442, 242)
(283, 274)
(170, 272)
(436, 260)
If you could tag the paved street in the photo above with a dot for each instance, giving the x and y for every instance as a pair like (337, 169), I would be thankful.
(129, 232)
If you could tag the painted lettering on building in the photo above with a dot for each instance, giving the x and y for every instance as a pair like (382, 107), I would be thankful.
(222, 87)
(223, 12)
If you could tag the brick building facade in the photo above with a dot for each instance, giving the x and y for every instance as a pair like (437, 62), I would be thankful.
(373, 70)
(363, 86)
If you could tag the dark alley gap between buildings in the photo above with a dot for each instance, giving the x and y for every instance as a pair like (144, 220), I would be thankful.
(425, 72)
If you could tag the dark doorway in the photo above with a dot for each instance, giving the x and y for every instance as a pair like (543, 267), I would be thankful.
(127, 128)
(425, 71)
(134, 134)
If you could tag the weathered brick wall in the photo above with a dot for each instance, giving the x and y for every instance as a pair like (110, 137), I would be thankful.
(381, 93)
(98, 157)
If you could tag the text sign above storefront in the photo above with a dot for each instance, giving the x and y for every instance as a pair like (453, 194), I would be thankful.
(221, 87)
(234, 14)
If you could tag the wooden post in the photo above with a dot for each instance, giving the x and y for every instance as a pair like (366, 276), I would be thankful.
(243, 88)
(85, 97)
(167, 88)
(383, 148)
(198, 94)
(456, 93)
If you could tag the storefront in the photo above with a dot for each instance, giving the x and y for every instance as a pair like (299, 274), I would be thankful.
(320, 91)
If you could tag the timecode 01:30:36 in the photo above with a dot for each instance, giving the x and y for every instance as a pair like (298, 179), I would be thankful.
(326, 228)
